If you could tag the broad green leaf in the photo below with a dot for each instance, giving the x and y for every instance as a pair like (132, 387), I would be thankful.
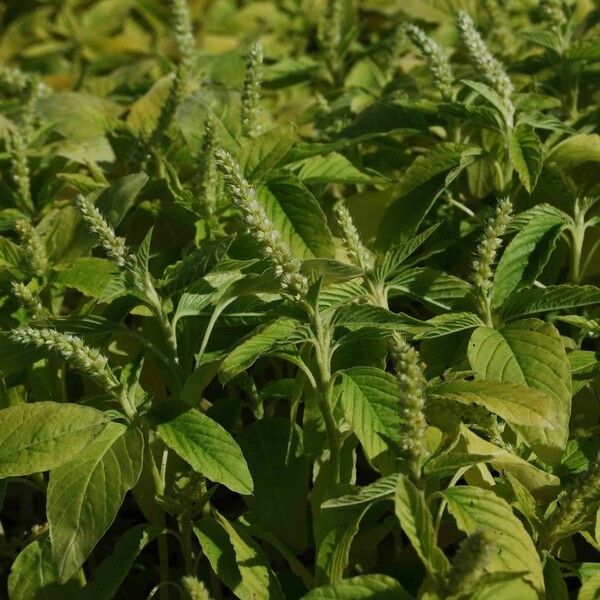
(33, 575)
(333, 168)
(485, 91)
(369, 399)
(261, 154)
(516, 404)
(417, 523)
(237, 559)
(297, 216)
(442, 325)
(525, 151)
(203, 443)
(504, 586)
(575, 150)
(525, 256)
(356, 316)
(338, 522)
(363, 587)
(556, 588)
(88, 275)
(113, 570)
(255, 345)
(280, 473)
(530, 353)
(85, 494)
(478, 509)
(42, 436)
(535, 300)
(590, 588)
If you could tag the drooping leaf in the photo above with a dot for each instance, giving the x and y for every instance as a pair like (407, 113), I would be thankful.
(363, 587)
(525, 151)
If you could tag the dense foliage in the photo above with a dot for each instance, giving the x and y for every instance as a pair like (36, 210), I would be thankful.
(300, 299)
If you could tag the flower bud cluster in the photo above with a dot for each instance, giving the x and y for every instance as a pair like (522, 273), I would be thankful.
(554, 12)
(360, 255)
(251, 92)
(409, 372)
(331, 30)
(33, 247)
(20, 168)
(113, 245)
(184, 35)
(208, 167)
(490, 66)
(28, 300)
(194, 589)
(469, 565)
(81, 357)
(287, 267)
(573, 503)
(489, 245)
(436, 59)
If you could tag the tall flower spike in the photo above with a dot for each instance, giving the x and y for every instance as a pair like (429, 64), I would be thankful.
(33, 246)
(183, 31)
(436, 59)
(208, 167)
(81, 357)
(489, 245)
(360, 255)
(409, 373)
(20, 169)
(113, 245)
(331, 30)
(554, 12)
(194, 589)
(28, 300)
(469, 565)
(572, 504)
(490, 66)
(251, 110)
(287, 267)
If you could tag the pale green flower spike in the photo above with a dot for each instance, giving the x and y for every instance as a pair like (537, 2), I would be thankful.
(20, 169)
(73, 349)
(554, 12)
(409, 372)
(436, 59)
(489, 245)
(183, 31)
(251, 93)
(28, 300)
(361, 256)
(194, 589)
(287, 267)
(331, 31)
(487, 63)
(33, 246)
(208, 168)
(113, 245)
(469, 565)
(573, 503)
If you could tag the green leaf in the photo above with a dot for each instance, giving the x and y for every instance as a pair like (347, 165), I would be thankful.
(526, 256)
(535, 300)
(525, 152)
(516, 404)
(42, 436)
(261, 154)
(417, 523)
(114, 568)
(280, 472)
(297, 216)
(89, 275)
(442, 325)
(590, 588)
(85, 494)
(333, 168)
(530, 353)
(33, 575)
(485, 91)
(369, 399)
(575, 150)
(237, 559)
(203, 443)
(478, 509)
(259, 342)
(363, 587)
(356, 316)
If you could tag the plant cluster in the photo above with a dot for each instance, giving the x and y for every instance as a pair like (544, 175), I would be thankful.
(300, 299)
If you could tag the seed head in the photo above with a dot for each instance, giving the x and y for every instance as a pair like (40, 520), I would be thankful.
(251, 110)
(331, 30)
(194, 589)
(208, 167)
(28, 300)
(33, 246)
(81, 357)
(20, 169)
(184, 35)
(436, 59)
(360, 255)
(287, 267)
(489, 245)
